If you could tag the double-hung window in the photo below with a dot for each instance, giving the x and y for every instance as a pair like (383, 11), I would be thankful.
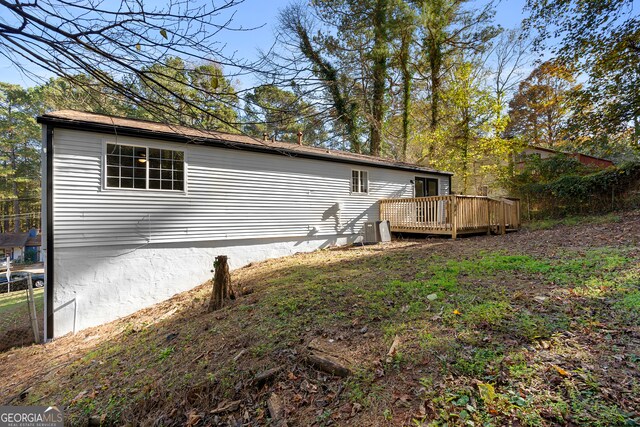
(359, 181)
(147, 168)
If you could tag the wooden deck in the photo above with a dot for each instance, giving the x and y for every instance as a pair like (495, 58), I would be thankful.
(451, 215)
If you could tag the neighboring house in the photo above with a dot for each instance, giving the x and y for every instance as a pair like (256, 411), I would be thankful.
(12, 245)
(17, 245)
(545, 153)
(136, 211)
(34, 245)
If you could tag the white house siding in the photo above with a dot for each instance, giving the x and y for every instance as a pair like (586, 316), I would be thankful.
(117, 251)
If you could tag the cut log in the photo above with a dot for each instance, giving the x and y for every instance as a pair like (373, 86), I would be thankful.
(329, 363)
(265, 376)
(327, 357)
(226, 407)
(222, 289)
(274, 404)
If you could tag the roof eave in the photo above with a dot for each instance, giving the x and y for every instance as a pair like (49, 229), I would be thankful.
(219, 143)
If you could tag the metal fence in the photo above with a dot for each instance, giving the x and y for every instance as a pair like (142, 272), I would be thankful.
(21, 312)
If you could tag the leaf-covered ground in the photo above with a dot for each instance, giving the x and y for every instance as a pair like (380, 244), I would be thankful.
(533, 328)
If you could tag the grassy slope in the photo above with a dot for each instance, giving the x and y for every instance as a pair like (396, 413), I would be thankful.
(15, 323)
(534, 328)
(13, 301)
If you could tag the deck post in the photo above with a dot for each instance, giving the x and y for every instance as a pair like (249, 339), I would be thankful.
(486, 200)
(454, 217)
(503, 217)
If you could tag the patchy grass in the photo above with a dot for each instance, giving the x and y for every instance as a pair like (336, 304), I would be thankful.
(542, 331)
(12, 301)
(549, 223)
(15, 323)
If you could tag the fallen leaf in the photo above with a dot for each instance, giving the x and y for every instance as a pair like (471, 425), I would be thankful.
(193, 419)
(487, 392)
(355, 409)
(561, 371)
(79, 396)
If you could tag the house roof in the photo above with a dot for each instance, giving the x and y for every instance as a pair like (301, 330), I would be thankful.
(551, 150)
(13, 240)
(141, 128)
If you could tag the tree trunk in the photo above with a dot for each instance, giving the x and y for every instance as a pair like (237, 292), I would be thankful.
(14, 188)
(435, 65)
(406, 91)
(346, 109)
(465, 152)
(222, 289)
(379, 74)
(5, 218)
(636, 130)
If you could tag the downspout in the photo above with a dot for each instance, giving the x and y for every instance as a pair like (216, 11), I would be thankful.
(48, 208)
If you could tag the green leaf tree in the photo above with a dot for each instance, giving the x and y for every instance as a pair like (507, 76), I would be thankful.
(282, 114)
(19, 158)
(540, 109)
(197, 96)
(345, 53)
(601, 39)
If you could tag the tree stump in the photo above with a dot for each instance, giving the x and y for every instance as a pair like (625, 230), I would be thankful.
(222, 289)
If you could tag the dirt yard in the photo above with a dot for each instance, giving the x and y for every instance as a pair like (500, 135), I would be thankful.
(533, 328)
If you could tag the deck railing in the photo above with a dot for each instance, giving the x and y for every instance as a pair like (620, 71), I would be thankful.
(451, 215)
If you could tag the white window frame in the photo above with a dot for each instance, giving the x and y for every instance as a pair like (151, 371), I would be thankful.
(362, 178)
(104, 174)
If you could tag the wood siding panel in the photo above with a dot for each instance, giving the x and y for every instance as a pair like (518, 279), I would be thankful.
(231, 194)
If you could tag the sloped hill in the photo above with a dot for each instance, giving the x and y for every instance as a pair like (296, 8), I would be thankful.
(533, 328)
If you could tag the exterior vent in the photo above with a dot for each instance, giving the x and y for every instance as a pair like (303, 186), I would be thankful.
(376, 232)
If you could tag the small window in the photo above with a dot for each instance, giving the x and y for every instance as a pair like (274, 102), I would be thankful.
(144, 168)
(359, 181)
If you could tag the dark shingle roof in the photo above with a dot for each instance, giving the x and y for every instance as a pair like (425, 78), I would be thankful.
(13, 240)
(123, 126)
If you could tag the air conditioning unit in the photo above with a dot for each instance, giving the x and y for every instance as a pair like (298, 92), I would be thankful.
(376, 232)
(385, 231)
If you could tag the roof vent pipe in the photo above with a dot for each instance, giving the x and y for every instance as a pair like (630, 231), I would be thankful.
(299, 137)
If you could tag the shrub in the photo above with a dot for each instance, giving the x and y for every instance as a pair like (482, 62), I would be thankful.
(561, 186)
(30, 256)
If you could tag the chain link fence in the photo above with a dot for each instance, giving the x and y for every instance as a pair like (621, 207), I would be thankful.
(21, 310)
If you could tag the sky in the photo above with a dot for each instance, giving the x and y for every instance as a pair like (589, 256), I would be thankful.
(261, 15)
